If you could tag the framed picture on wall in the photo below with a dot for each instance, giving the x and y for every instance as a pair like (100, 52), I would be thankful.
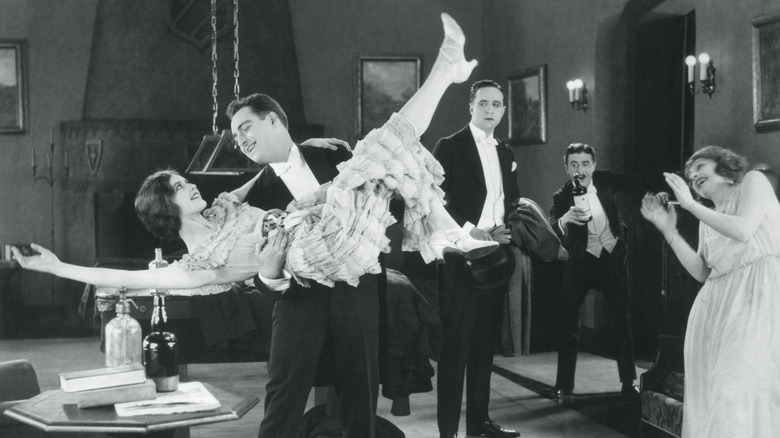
(385, 83)
(766, 72)
(528, 106)
(12, 91)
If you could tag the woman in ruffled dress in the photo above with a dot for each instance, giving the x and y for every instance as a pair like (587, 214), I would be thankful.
(335, 234)
(732, 343)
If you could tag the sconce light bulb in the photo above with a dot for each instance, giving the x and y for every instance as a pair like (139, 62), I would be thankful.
(578, 83)
(704, 59)
(570, 85)
(690, 61)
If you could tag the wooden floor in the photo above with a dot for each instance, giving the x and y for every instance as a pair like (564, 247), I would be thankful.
(516, 401)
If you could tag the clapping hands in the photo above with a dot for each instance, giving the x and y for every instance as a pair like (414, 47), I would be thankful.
(659, 212)
(682, 191)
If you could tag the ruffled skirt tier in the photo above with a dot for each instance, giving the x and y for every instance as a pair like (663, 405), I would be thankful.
(340, 230)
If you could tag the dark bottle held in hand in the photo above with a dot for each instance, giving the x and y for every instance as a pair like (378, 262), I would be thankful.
(160, 346)
(581, 196)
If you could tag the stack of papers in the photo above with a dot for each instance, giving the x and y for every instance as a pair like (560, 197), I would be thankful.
(190, 397)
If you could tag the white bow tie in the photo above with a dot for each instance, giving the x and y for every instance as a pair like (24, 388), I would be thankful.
(489, 141)
(282, 168)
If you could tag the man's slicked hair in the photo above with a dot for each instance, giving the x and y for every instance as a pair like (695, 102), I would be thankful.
(484, 83)
(579, 148)
(261, 104)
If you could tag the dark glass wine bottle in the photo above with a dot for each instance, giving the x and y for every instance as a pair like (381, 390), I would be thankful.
(580, 194)
(160, 346)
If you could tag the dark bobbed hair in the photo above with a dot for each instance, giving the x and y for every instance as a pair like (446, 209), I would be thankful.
(578, 148)
(261, 104)
(484, 83)
(728, 163)
(155, 207)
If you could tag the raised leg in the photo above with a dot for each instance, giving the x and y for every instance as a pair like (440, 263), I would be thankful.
(450, 67)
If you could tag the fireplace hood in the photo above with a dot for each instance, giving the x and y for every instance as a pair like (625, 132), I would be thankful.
(148, 104)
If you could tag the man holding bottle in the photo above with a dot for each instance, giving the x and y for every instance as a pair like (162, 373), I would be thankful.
(594, 238)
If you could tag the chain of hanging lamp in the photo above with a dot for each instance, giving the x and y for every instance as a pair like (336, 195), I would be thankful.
(236, 71)
(236, 88)
(215, 105)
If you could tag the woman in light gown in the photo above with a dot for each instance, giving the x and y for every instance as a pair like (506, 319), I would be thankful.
(732, 343)
(335, 233)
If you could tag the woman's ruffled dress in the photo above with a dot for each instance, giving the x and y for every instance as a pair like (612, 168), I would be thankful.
(338, 231)
(341, 227)
(231, 250)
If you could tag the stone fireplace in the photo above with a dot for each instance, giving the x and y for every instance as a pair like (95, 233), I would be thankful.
(148, 103)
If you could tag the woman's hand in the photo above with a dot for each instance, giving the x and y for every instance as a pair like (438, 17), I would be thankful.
(681, 190)
(46, 261)
(271, 255)
(663, 217)
(327, 143)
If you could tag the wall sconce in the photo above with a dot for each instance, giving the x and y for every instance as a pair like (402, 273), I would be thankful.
(578, 95)
(706, 74)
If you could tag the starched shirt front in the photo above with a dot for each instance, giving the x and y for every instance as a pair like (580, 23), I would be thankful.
(296, 174)
(493, 208)
(599, 234)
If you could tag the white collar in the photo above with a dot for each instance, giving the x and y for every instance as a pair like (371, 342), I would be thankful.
(294, 160)
(592, 188)
(481, 136)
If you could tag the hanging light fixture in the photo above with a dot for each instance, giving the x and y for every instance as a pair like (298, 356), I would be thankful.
(216, 154)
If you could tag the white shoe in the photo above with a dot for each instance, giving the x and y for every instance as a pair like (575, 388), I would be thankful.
(452, 50)
(460, 242)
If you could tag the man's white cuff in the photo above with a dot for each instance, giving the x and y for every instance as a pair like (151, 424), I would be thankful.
(277, 284)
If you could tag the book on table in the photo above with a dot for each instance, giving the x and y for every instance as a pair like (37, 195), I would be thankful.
(116, 394)
(190, 397)
(106, 377)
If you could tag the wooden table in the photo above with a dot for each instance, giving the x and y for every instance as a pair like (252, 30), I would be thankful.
(56, 411)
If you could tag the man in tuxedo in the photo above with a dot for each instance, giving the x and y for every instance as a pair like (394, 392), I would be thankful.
(480, 184)
(597, 260)
(305, 320)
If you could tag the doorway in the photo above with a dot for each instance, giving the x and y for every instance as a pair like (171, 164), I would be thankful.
(662, 138)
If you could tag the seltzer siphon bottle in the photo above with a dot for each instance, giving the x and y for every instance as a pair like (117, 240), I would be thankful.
(123, 336)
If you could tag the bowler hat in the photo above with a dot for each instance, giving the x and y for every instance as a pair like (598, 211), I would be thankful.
(487, 272)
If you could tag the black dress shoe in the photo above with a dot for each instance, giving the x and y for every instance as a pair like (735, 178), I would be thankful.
(491, 429)
(559, 392)
(448, 435)
(630, 392)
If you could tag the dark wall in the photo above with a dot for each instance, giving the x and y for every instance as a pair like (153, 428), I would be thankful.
(330, 39)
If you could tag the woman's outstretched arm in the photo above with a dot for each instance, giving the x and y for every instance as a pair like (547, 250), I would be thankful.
(751, 211)
(172, 277)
